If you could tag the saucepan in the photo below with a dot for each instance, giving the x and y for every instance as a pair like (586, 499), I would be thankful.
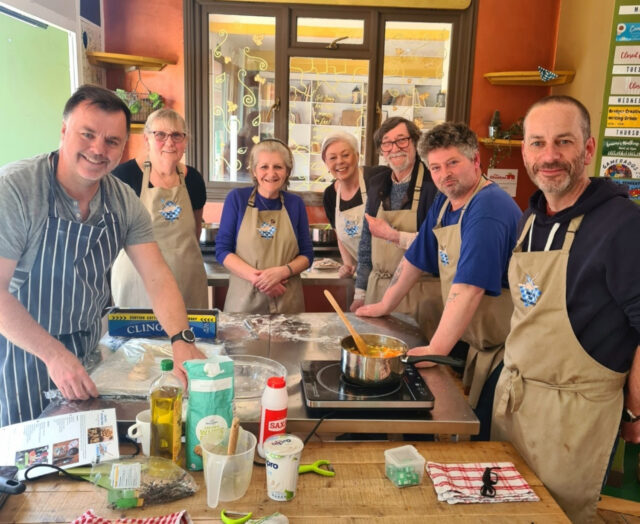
(208, 232)
(365, 370)
(322, 234)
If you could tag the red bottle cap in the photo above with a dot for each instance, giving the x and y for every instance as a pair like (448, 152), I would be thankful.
(276, 382)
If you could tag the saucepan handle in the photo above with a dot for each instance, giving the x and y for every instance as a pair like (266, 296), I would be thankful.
(438, 359)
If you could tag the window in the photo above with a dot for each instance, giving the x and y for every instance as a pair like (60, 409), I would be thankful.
(297, 73)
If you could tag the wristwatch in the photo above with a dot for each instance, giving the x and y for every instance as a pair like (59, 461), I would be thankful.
(186, 335)
(628, 416)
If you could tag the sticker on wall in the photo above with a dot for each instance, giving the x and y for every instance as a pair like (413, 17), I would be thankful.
(618, 167)
(624, 100)
(632, 186)
(620, 148)
(625, 85)
(627, 54)
(623, 116)
(628, 32)
(507, 179)
(629, 10)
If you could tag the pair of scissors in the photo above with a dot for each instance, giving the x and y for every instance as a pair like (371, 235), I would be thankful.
(316, 468)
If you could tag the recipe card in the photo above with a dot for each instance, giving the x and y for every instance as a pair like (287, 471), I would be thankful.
(65, 441)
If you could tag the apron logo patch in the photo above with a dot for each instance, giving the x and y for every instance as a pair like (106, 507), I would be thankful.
(351, 227)
(170, 210)
(529, 292)
(444, 258)
(267, 230)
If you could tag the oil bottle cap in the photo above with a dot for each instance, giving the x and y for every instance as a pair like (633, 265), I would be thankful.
(166, 364)
(276, 382)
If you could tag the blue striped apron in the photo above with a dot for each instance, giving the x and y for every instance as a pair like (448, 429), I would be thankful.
(65, 292)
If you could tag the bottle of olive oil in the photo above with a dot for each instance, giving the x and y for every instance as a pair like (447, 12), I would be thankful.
(166, 414)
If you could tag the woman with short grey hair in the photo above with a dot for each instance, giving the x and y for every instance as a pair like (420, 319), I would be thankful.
(344, 200)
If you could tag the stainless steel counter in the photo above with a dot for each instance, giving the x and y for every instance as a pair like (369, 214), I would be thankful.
(218, 275)
(290, 339)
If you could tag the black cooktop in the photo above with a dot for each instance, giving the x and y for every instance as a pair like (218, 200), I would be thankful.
(323, 386)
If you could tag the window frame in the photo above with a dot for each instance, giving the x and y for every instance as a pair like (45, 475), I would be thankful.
(196, 38)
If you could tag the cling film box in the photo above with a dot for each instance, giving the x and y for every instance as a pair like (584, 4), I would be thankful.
(142, 323)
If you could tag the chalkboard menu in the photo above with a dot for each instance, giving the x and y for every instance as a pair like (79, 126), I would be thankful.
(619, 139)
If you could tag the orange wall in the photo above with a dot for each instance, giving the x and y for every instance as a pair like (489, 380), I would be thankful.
(509, 36)
(141, 27)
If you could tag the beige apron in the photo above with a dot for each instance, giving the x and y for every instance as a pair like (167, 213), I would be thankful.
(558, 406)
(489, 326)
(174, 230)
(349, 222)
(423, 300)
(265, 239)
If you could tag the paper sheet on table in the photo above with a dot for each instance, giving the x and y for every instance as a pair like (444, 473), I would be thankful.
(66, 441)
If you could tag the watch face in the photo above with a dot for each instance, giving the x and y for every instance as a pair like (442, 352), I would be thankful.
(188, 336)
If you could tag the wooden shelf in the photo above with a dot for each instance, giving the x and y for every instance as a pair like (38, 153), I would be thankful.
(128, 62)
(528, 78)
(136, 127)
(499, 142)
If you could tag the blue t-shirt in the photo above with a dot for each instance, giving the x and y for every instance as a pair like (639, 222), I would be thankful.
(488, 234)
(233, 211)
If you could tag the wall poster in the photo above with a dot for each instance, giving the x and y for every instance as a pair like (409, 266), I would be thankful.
(619, 139)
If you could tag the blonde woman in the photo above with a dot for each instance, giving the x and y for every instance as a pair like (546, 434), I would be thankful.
(345, 199)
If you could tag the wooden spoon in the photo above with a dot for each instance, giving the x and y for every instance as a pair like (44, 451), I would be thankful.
(361, 345)
(233, 436)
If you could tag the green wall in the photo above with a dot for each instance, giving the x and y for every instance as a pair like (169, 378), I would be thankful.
(34, 86)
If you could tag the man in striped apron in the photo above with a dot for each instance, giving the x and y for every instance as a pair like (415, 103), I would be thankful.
(62, 223)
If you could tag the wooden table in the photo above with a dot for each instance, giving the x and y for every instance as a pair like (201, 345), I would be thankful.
(360, 492)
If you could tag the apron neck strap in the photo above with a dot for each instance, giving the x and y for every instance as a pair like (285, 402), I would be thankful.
(481, 183)
(527, 231)
(252, 198)
(418, 188)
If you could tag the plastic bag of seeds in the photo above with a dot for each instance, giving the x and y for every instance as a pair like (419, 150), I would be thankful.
(139, 481)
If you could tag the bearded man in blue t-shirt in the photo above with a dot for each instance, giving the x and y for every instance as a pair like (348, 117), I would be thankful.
(466, 239)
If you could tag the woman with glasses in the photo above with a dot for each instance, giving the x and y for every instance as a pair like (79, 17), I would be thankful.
(345, 199)
(174, 195)
(264, 238)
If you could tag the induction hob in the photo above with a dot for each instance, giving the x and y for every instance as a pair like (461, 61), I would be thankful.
(324, 387)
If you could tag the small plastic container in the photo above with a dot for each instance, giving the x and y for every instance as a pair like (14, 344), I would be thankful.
(404, 466)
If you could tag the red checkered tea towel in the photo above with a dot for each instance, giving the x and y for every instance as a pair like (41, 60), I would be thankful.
(462, 483)
(89, 517)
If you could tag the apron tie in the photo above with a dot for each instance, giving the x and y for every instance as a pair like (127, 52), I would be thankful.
(515, 388)
(381, 273)
(600, 390)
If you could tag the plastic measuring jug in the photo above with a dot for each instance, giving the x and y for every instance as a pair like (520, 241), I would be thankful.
(227, 477)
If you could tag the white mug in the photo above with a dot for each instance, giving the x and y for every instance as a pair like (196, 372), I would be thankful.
(141, 430)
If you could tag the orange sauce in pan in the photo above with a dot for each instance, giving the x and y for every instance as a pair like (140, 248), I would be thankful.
(379, 351)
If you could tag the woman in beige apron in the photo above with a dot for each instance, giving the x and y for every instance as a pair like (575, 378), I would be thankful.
(172, 216)
(489, 326)
(554, 402)
(423, 302)
(266, 265)
(340, 154)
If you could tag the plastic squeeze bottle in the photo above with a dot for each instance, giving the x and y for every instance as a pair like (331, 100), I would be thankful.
(166, 414)
(273, 418)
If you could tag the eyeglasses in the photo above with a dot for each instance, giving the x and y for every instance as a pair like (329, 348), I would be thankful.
(401, 143)
(161, 136)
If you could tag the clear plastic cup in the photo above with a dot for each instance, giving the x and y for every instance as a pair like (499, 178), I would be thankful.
(227, 477)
